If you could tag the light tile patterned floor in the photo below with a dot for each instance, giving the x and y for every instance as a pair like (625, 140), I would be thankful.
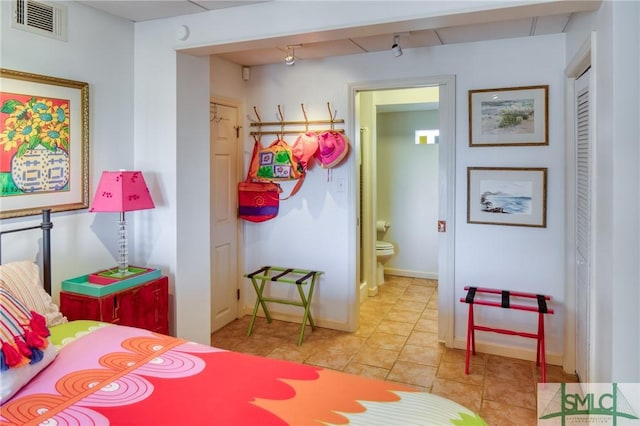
(397, 341)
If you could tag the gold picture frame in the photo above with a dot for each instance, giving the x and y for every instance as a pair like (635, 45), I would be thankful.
(44, 144)
(515, 116)
(512, 196)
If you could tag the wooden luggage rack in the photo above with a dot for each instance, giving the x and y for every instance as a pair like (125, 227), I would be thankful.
(299, 277)
(477, 296)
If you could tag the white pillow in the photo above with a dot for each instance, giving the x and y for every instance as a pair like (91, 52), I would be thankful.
(15, 322)
(22, 278)
(12, 380)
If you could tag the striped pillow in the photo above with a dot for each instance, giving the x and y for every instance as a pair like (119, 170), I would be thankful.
(22, 278)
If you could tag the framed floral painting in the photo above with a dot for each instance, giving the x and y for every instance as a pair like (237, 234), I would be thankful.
(44, 144)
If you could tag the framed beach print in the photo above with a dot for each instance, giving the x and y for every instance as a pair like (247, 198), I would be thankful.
(509, 117)
(507, 196)
(44, 144)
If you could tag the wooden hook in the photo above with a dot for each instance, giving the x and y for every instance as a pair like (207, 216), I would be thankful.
(281, 117)
(255, 110)
(306, 120)
(332, 116)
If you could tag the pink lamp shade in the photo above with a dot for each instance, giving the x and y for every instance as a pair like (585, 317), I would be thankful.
(121, 191)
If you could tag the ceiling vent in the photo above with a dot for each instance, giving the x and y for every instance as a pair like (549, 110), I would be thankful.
(41, 17)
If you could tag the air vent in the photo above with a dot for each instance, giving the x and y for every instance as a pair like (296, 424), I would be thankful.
(41, 17)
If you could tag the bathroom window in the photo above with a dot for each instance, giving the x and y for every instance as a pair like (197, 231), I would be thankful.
(427, 137)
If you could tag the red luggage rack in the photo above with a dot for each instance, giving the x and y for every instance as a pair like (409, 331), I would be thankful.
(473, 298)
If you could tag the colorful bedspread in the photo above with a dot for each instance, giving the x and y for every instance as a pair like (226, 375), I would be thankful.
(127, 376)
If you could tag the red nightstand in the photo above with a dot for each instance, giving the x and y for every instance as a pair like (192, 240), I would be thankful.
(145, 305)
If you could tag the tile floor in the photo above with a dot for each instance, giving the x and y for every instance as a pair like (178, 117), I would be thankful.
(397, 341)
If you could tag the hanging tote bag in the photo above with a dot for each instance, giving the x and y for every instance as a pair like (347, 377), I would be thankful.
(276, 163)
(257, 201)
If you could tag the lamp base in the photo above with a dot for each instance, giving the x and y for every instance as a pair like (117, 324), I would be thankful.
(112, 275)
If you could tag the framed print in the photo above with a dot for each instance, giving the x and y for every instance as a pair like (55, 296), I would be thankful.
(44, 144)
(507, 196)
(509, 117)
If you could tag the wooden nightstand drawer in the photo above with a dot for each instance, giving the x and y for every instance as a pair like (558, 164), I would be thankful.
(145, 306)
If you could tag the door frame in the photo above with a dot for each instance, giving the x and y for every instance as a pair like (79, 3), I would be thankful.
(234, 103)
(446, 240)
(583, 59)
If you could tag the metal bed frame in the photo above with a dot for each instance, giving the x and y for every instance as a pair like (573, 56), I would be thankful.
(46, 226)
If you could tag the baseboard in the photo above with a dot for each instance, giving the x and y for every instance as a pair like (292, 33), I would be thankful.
(364, 292)
(509, 351)
(410, 274)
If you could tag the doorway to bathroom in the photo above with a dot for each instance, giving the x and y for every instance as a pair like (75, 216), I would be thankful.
(405, 150)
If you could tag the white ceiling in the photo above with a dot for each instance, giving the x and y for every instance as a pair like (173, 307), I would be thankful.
(542, 20)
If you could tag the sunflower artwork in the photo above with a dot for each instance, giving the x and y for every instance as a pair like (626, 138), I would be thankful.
(34, 144)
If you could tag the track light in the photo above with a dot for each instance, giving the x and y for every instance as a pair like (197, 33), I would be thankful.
(396, 49)
(290, 59)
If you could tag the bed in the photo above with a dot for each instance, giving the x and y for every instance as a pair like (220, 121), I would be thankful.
(88, 372)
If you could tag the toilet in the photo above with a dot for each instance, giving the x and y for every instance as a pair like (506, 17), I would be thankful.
(384, 251)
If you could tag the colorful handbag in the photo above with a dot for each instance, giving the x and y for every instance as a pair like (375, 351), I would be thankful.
(258, 201)
(276, 162)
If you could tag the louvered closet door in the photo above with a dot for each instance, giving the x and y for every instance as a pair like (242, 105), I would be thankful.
(583, 169)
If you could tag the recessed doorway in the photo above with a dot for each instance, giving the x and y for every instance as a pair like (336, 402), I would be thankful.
(368, 100)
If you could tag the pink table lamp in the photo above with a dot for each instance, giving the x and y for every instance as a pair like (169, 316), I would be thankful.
(122, 191)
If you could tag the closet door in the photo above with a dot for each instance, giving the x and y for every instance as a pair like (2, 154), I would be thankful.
(584, 170)
(225, 277)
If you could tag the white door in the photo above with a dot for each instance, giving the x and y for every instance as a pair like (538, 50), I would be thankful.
(224, 221)
(583, 225)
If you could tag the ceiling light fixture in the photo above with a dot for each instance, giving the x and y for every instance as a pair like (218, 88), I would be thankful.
(395, 48)
(290, 58)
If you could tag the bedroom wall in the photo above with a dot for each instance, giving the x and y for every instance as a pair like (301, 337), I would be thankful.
(99, 51)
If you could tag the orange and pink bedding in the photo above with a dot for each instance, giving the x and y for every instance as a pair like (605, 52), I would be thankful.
(109, 374)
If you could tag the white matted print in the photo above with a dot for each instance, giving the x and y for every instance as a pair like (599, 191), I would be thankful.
(507, 196)
(509, 117)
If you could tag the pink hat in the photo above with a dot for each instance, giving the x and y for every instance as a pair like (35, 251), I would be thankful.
(305, 147)
(333, 147)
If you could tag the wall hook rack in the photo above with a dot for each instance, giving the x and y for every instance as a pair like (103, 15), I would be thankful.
(299, 125)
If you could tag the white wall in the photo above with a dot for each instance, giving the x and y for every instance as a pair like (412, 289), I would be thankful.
(626, 215)
(180, 156)
(99, 51)
(407, 196)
